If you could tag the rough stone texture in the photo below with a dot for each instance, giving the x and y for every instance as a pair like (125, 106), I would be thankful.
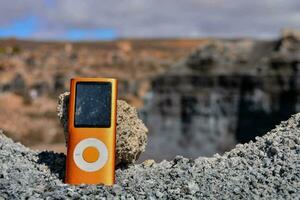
(209, 101)
(266, 169)
(62, 112)
(131, 132)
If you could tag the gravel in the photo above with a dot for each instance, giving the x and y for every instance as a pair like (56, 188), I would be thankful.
(266, 169)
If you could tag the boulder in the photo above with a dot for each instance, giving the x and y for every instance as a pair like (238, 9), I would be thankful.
(131, 131)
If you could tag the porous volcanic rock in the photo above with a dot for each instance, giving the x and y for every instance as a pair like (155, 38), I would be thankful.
(131, 131)
(266, 169)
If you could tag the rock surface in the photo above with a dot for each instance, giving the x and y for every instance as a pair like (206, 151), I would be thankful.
(266, 169)
(208, 102)
(131, 132)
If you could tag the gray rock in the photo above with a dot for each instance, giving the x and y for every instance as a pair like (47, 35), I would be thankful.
(246, 172)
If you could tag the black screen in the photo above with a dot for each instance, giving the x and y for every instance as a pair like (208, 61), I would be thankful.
(93, 104)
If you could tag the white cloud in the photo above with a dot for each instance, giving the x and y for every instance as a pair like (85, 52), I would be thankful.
(159, 18)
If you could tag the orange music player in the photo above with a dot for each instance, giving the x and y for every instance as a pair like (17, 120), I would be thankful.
(92, 131)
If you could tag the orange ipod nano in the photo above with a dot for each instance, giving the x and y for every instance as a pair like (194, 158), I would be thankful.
(92, 131)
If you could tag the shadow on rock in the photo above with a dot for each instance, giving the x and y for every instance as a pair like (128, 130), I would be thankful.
(56, 162)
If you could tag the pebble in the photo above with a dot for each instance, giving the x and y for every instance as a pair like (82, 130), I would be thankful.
(266, 169)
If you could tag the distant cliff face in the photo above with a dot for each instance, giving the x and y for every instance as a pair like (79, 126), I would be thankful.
(33, 74)
(226, 92)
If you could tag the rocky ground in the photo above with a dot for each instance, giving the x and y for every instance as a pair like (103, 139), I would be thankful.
(266, 169)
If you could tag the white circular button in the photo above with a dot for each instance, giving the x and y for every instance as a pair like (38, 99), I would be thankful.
(94, 166)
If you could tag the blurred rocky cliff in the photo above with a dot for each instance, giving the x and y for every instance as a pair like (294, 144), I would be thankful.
(33, 74)
(197, 97)
(225, 92)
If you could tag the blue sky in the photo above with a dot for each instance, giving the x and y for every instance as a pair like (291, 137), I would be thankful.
(92, 34)
(107, 20)
(21, 28)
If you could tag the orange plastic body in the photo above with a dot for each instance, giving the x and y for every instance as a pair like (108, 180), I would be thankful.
(106, 175)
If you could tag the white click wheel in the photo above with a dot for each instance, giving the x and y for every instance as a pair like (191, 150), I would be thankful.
(96, 157)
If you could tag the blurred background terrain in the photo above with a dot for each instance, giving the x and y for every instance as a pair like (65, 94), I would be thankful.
(33, 74)
(204, 75)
